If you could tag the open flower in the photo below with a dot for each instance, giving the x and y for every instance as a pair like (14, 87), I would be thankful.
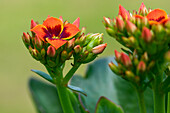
(156, 16)
(55, 32)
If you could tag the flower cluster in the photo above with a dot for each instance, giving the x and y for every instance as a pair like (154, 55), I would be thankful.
(146, 34)
(55, 41)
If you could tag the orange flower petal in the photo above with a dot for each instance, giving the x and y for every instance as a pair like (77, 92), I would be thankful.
(138, 16)
(157, 15)
(56, 42)
(41, 32)
(77, 22)
(69, 31)
(54, 26)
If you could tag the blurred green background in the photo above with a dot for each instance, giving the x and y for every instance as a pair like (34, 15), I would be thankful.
(15, 61)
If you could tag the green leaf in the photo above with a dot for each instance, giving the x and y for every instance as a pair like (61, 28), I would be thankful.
(104, 105)
(43, 75)
(81, 103)
(99, 81)
(77, 89)
(45, 97)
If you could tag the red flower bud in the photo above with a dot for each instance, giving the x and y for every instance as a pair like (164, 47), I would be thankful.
(26, 37)
(120, 24)
(146, 34)
(51, 51)
(61, 18)
(99, 49)
(38, 42)
(124, 13)
(141, 66)
(77, 22)
(125, 59)
(130, 27)
(117, 55)
(70, 43)
(33, 24)
(77, 48)
(143, 10)
(107, 21)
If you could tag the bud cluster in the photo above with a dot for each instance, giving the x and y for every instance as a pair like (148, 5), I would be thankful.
(83, 48)
(146, 34)
(133, 68)
(88, 47)
(145, 30)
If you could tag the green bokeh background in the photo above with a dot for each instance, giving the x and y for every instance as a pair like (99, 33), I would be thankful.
(15, 61)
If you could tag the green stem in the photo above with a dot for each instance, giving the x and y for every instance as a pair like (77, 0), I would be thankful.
(168, 106)
(71, 73)
(57, 75)
(159, 96)
(141, 101)
(64, 99)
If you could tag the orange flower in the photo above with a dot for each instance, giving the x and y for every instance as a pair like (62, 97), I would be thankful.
(157, 16)
(55, 32)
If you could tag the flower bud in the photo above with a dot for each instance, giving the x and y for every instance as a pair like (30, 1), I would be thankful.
(114, 68)
(143, 10)
(120, 24)
(51, 51)
(88, 38)
(129, 74)
(125, 60)
(64, 55)
(130, 27)
(96, 40)
(61, 18)
(151, 64)
(167, 56)
(71, 43)
(145, 21)
(35, 54)
(141, 66)
(38, 42)
(69, 55)
(124, 13)
(117, 55)
(26, 38)
(81, 40)
(146, 34)
(132, 41)
(43, 52)
(107, 21)
(99, 49)
(77, 49)
(33, 24)
(77, 22)
(145, 56)
(110, 31)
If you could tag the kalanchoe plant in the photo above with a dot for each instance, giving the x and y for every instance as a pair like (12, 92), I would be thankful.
(146, 34)
(53, 43)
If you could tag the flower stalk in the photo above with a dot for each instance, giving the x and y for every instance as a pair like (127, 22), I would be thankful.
(141, 101)
(64, 99)
(168, 108)
(71, 73)
(159, 96)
